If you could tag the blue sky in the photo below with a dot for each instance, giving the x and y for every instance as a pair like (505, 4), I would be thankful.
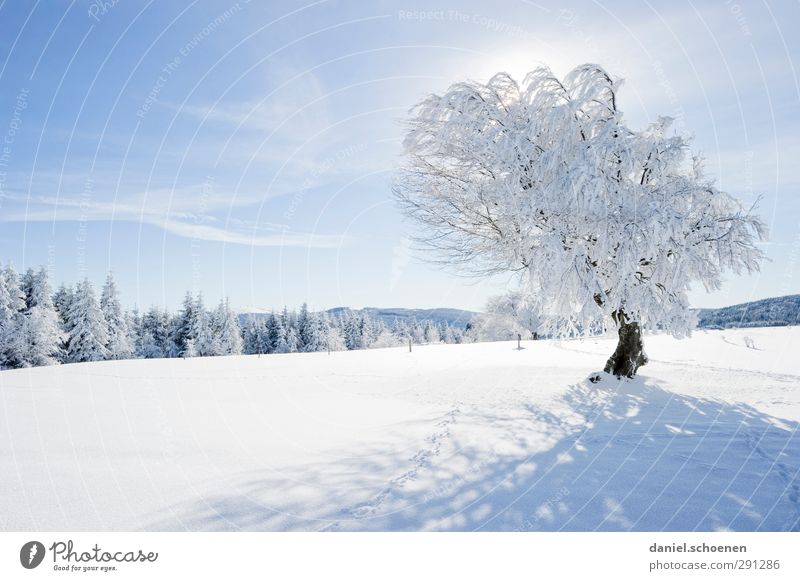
(247, 148)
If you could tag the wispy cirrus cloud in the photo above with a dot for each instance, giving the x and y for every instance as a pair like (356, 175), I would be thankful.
(180, 216)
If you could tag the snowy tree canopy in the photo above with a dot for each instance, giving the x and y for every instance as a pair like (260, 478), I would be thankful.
(506, 317)
(545, 179)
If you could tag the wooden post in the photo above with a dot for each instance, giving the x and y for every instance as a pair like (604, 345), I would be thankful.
(409, 344)
(519, 342)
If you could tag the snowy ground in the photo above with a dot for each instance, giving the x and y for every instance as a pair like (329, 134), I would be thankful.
(450, 437)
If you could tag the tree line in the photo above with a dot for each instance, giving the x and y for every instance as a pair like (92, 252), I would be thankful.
(42, 327)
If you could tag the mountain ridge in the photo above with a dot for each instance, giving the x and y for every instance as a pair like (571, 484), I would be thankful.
(770, 312)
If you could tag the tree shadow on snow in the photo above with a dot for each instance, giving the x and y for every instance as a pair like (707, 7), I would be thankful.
(627, 455)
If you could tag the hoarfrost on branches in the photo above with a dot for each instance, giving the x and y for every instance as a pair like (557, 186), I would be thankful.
(545, 179)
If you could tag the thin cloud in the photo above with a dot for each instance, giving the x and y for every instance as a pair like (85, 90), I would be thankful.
(177, 221)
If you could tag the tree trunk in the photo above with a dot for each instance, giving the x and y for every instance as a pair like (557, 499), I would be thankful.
(629, 355)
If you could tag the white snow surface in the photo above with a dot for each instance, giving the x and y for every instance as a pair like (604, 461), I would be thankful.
(448, 437)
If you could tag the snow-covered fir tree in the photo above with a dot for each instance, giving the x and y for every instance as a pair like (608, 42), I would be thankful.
(277, 334)
(155, 334)
(255, 336)
(207, 341)
(12, 307)
(182, 328)
(292, 339)
(40, 334)
(134, 320)
(9, 324)
(62, 299)
(119, 341)
(309, 330)
(226, 329)
(87, 335)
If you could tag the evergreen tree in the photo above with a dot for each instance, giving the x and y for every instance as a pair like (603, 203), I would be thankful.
(292, 340)
(302, 327)
(309, 330)
(227, 330)
(26, 285)
(134, 320)
(12, 307)
(40, 334)
(277, 334)
(119, 345)
(206, 340)
(8, 325)
(155, 333)
(183, 326)
(256, 339)
(87, 338)
(62, 300)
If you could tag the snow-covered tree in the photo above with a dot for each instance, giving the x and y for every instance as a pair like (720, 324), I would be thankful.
(149, 349)
(418, 334)
(292, 340)
(155, 334)
(506, 317)
(134, 321)
(27, 283)
(353, 330)
(277, 334)
(603, 223)
(206, 340)
(87, 336)
(227, 332)
(253, 336)
(62, 300)
(119, 344)
(432, 333)
(331, 333)
(448, 335)
(40, 334)
(309, 330)
(189, 348)
(183, 327)
(385, 339)
(12, 308)
(10, 319)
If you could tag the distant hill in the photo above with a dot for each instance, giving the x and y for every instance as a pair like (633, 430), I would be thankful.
(774, 312)
(451, 317)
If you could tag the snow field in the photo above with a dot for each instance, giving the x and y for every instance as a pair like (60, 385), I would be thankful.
(448, 437)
